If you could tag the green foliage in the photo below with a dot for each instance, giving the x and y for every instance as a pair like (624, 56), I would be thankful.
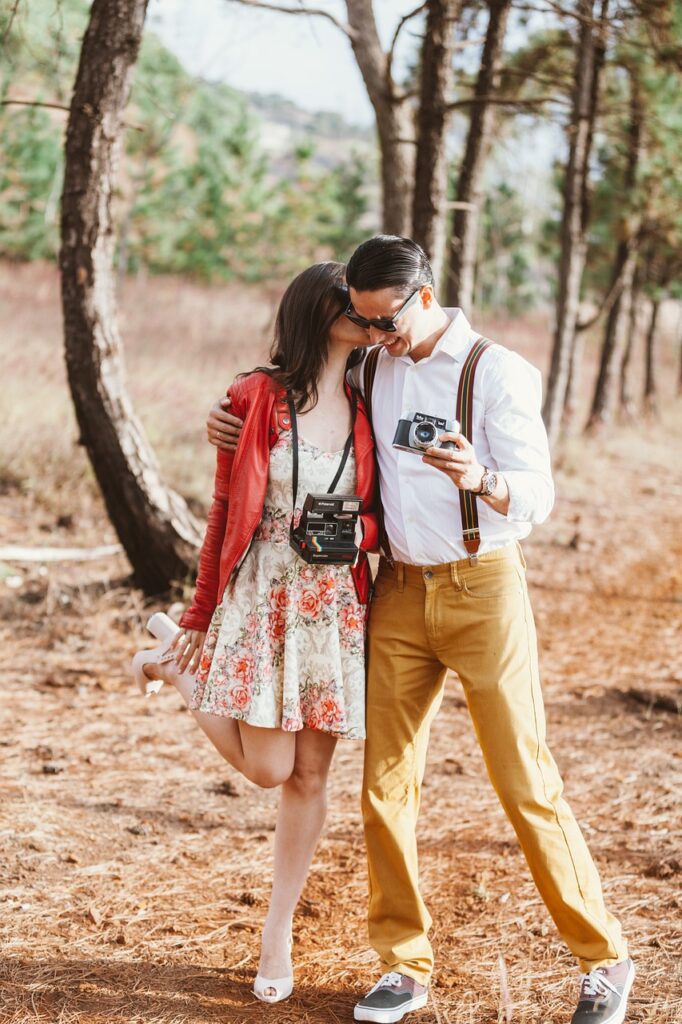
(651, 212)
(506, 253)
(197, 193)
(30, 184)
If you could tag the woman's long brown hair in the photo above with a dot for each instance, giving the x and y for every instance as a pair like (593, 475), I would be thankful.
(313, 301)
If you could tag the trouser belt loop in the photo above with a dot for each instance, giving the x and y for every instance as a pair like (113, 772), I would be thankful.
(454, 575)
(400, 576)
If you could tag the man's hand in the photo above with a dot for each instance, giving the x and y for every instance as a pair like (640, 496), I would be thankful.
(461, 466)
(222, 427)
(466, 472)
(188, 645)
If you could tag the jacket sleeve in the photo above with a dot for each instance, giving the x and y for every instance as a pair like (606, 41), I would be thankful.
(206, 597)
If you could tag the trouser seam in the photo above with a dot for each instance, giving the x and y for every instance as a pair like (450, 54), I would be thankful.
(600, 925)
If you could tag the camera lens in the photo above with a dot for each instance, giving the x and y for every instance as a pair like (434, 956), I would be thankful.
(425, 434)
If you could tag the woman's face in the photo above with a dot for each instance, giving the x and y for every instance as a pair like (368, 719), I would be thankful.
(344, 332)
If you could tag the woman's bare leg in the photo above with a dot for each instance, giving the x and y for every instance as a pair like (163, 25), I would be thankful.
(264, 756)
(301, 814)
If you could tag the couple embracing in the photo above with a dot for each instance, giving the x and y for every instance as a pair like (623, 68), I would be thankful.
(377, 393)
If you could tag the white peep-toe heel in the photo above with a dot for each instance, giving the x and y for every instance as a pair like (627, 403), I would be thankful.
(283, 987)
(164, 629)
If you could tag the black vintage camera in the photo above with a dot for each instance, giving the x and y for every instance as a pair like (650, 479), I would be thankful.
(326, 531)
(416, 432)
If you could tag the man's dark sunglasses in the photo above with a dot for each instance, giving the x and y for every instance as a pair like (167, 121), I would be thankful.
(388, 323)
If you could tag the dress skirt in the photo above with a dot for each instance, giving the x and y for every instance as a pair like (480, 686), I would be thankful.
(285, 648)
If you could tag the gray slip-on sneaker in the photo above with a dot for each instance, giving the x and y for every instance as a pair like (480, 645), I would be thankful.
(392, 997)
(604, 994)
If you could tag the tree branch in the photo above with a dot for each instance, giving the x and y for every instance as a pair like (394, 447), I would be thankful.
(58, 106)
(500, 101)
(33, 103)
(316, 12)
(394, 41)
(10, 21)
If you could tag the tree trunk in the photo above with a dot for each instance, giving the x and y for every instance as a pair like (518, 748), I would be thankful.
(628, 401)
(606, 390)
(650, 381)
(429, 211)
(393, 117)
(589, 62)
(464, 238)
(157, 530)
(574, 396)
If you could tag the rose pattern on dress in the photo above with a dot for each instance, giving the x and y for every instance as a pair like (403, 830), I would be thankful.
(286, 645)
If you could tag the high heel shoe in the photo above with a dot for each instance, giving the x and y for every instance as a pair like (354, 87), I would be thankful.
(164, 629)
(283, 987)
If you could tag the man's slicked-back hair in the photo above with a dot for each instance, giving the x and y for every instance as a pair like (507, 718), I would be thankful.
(388, 261)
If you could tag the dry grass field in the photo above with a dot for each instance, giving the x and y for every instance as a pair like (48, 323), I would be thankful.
(134, 864)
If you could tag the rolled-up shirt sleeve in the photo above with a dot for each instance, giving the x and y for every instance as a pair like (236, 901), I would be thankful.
(517, 436)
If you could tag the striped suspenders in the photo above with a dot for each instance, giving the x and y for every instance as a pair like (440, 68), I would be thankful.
(465, 415)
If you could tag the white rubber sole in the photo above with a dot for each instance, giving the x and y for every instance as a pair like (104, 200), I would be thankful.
(391, 1016)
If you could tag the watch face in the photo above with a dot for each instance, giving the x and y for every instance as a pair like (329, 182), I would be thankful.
(490, 484)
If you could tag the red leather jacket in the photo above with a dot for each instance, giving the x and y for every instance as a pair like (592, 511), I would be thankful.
(239, 492)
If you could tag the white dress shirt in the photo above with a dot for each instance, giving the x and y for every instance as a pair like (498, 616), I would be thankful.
(421, 504)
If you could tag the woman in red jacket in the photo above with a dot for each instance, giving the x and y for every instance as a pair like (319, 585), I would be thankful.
(270, 654)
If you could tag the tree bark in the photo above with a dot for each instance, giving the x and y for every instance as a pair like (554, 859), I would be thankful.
(628, 401)
(574, 385)
(650, 380)
(395, 126)
(429, 212)
(589, 62)
(156, 528)
(606, 389)
(464, 237)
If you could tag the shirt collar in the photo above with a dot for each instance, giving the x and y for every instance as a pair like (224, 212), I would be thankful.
(454, 340)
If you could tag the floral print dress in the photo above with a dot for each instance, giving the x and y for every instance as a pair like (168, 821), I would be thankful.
(286, 645)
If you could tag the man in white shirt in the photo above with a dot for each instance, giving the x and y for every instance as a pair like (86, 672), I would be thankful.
(444, 601)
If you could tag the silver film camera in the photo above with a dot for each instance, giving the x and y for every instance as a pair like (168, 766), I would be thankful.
(417, 431)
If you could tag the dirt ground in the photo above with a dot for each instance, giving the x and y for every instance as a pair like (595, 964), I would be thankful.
(135, 865)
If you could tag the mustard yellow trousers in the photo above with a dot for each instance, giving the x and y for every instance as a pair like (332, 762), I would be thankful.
(476, 620)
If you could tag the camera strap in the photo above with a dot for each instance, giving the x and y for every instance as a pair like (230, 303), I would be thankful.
(294, 438)
(465, 414)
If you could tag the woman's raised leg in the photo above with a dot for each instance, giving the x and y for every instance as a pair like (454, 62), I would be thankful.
(264, 756)
(301, 814)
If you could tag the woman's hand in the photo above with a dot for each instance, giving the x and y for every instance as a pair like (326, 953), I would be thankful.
(188, 645)
(222, 428)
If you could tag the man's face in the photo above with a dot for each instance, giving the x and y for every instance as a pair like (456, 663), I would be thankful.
(384, 304)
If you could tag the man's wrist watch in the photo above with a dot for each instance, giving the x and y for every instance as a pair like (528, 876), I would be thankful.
(488, 483)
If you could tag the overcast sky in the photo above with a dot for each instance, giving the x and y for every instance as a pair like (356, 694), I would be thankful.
(309, 61)
(305, 59)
